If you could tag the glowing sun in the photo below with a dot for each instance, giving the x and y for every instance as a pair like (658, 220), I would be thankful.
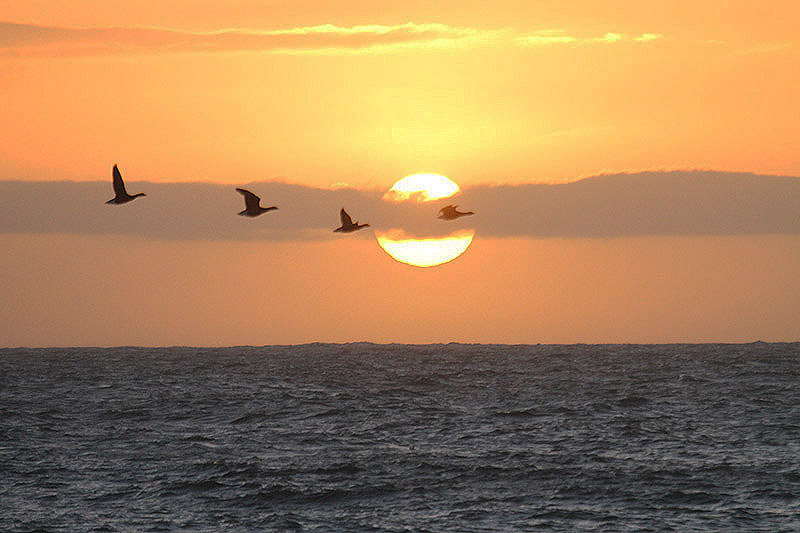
(424, 252)
(419, 250)
(421, 188)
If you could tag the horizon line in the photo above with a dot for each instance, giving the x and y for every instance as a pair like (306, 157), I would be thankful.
(373, 343)
(375, 187)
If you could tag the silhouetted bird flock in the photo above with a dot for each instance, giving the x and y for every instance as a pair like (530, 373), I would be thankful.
(252, 205)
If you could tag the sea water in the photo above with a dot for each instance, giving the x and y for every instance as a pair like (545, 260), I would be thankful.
(365, 437)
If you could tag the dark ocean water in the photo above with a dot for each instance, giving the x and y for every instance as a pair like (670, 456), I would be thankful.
(366, 437)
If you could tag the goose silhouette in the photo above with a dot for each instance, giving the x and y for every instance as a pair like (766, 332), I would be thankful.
(347, 223)
(449, 212)
(252, 204)
(121, 196)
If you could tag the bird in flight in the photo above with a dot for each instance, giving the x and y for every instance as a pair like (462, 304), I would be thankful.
(252, 204)
(347, 223)
(121, 196)
(449, 212)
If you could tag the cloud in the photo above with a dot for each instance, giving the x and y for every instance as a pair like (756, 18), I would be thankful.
(44, 40)
(771, 48)
(560, 37)
(647, 37)
(32, 40)
(650, 203)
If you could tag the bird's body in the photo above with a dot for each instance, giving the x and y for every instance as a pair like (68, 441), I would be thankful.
(449, 212)
(121, 196)
(348, 226)
(252, 204)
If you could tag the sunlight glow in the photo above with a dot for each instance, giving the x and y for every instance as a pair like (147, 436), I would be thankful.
(424, 252)
(421, 188)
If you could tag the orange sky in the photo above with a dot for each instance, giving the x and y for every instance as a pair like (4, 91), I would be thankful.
(516, 92)
(321, 94)
(663, 289)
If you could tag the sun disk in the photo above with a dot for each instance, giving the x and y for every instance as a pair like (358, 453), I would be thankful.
(424, 252)
(421, 188)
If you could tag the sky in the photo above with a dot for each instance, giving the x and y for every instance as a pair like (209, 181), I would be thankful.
(633, 167)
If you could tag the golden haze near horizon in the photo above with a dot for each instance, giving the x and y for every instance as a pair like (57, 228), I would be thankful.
(360, 94)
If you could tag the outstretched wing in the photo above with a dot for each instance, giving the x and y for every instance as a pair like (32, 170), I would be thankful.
(251, 201)
(346, 220)
(119, 186)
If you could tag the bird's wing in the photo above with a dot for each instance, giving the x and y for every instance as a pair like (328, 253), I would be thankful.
(251, 201)
(119, 186)
(346, 220)
(445, 208)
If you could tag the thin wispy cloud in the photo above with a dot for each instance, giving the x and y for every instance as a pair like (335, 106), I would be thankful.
(33, 40)
(772, 48)
(560, 37)
(647, 37)
(27, 39)
(651, 203)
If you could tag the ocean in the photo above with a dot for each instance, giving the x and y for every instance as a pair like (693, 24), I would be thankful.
(366, 437)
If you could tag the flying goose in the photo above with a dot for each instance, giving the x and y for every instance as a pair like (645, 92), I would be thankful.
(121, 196)
(449, 212)
(347, 223)
(252, 204)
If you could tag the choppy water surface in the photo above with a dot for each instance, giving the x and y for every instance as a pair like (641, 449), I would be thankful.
(366, 437)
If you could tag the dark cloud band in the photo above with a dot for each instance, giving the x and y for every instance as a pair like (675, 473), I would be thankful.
(652, 203)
